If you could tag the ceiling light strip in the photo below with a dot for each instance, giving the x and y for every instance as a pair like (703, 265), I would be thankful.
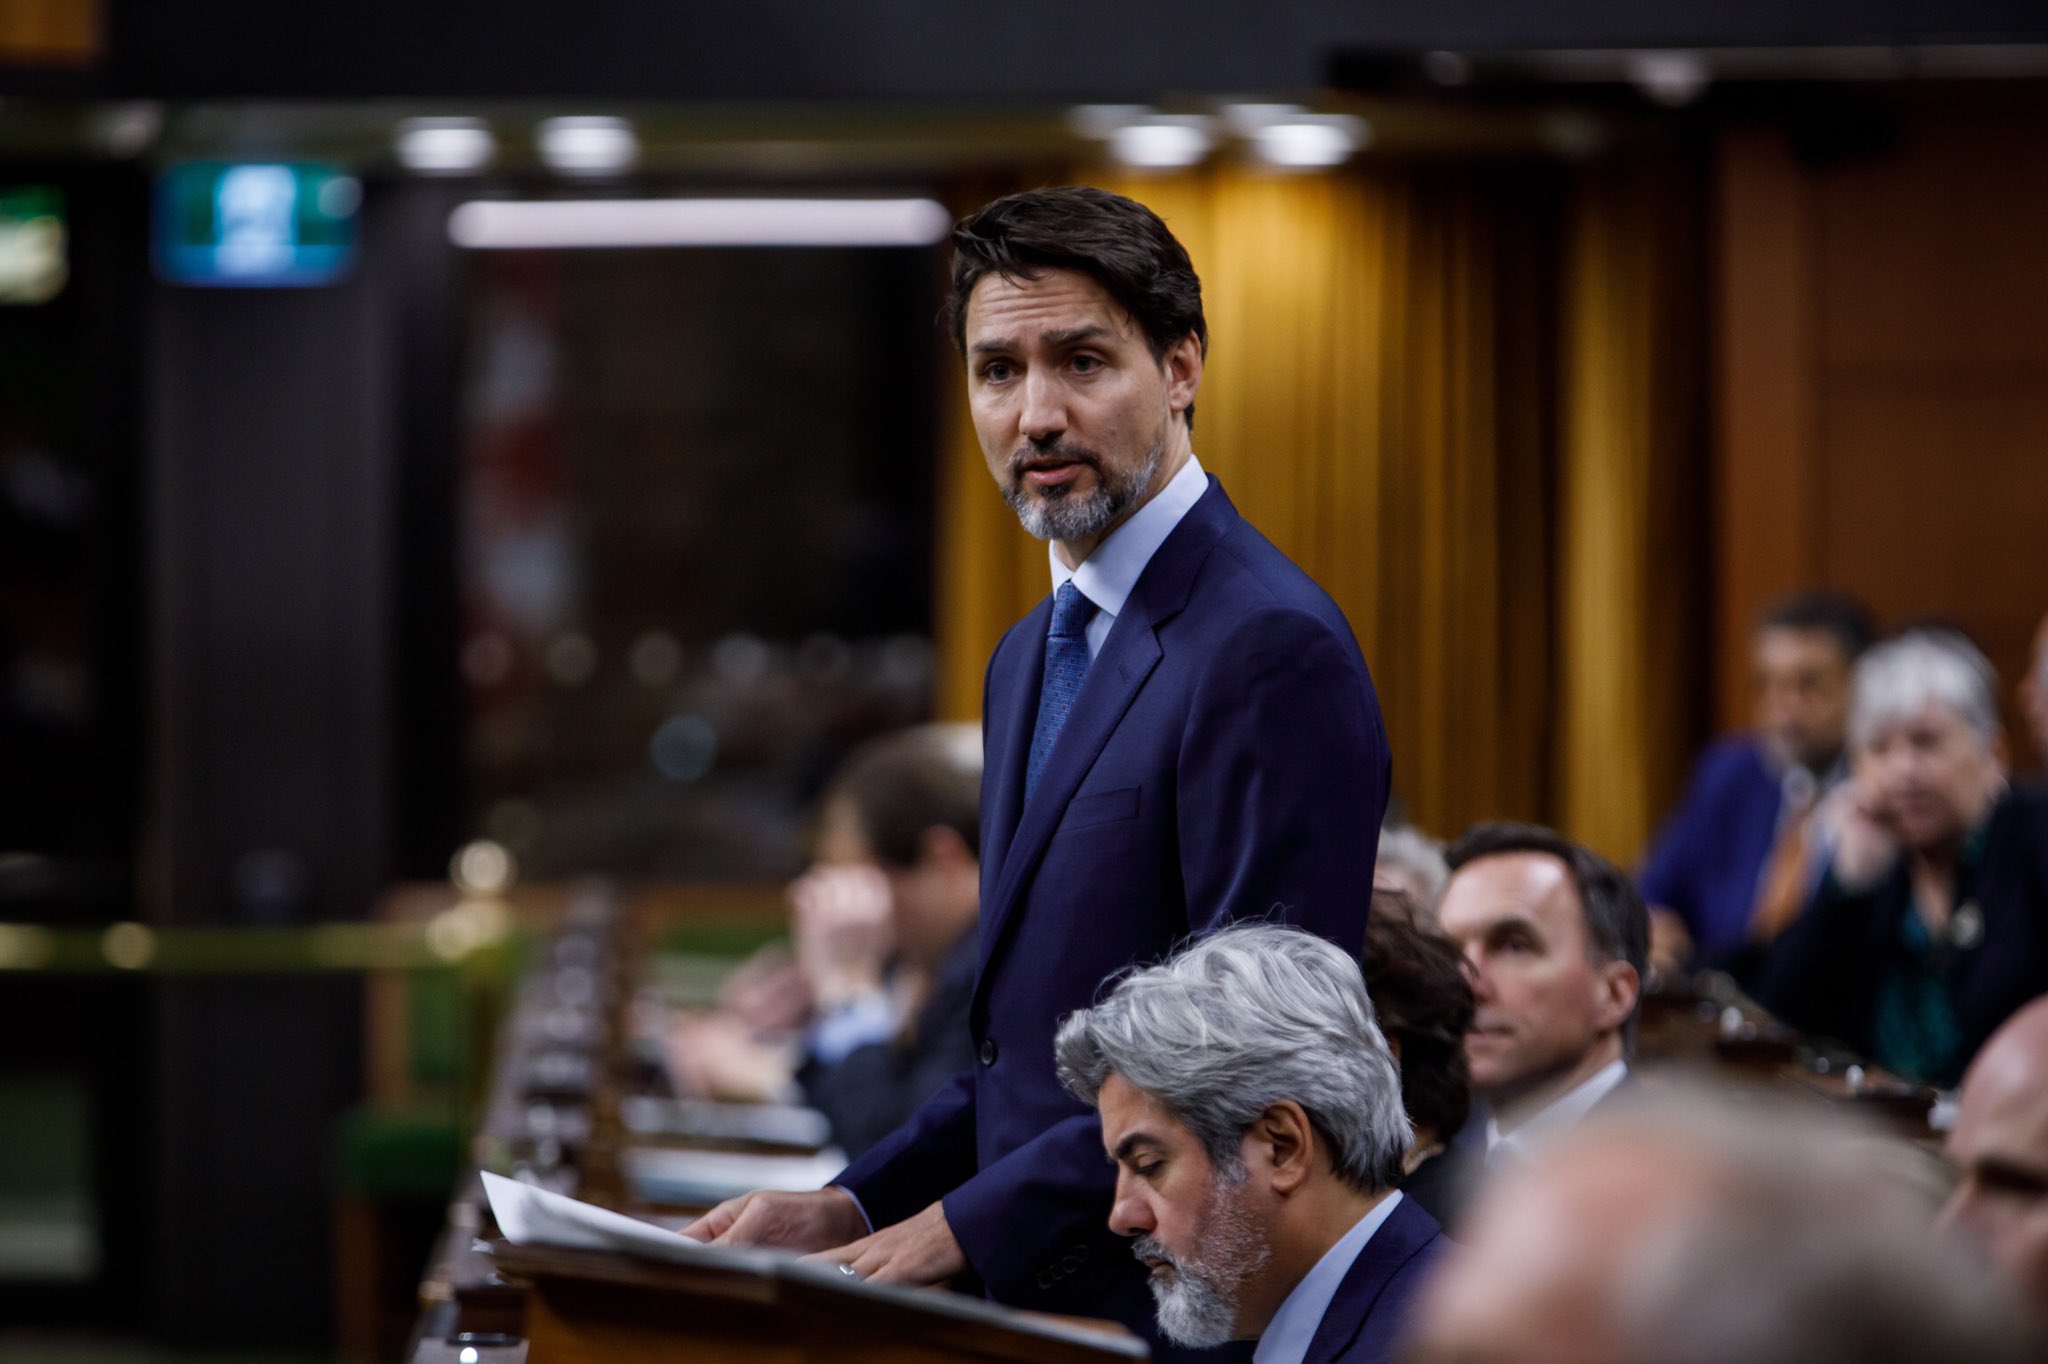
(500, 224)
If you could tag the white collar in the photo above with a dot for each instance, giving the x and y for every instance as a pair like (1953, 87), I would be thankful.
(1293, 1328)
(1108, 574)
(1559, 1113)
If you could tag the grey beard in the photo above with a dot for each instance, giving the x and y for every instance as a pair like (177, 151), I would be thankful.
(1059, 515)
(1199, 1308)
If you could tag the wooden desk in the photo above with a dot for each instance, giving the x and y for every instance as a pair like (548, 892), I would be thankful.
(593, 1307)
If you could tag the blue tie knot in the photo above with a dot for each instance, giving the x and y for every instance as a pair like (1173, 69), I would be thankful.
(1071, 612)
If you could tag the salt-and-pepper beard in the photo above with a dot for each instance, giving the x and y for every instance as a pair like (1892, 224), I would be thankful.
(1199, 1307)
(1057, 514)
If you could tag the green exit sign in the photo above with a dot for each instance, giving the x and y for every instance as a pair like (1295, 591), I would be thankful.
(34, 255)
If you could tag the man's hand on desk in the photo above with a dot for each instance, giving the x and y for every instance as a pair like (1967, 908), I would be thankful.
(918, 1250)
(787, 1221)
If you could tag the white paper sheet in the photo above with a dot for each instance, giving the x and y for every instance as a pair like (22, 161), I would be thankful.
(531, 1216)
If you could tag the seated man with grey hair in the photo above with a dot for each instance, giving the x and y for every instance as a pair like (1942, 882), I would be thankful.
(1930, 925)
(1254, 1115)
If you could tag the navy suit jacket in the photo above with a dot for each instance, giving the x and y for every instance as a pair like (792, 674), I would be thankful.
(1709, 856)
(1367, 1319)
(1224, 758)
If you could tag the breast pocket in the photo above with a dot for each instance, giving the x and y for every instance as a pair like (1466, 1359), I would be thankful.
(1100, 807)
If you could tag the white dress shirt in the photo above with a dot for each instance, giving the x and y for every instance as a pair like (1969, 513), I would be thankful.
(1555, 1117)
(1293, 1328)
(1108, 574)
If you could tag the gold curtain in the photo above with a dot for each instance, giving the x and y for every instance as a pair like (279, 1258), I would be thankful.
(1633, 509)
(1379, 402)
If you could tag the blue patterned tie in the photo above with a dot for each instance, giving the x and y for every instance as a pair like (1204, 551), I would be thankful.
(1066, 664)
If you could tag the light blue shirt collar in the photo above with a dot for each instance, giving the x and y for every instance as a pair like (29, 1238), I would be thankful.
(1293, 1328)
(1107, 575)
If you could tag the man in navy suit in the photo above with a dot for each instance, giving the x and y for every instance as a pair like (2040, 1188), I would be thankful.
(1183, 733)
(1254, 1116)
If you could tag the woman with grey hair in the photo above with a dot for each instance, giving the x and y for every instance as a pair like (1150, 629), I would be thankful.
(1929, 924)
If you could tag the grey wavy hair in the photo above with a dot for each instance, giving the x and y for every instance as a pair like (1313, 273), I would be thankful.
(1897, 679)
(1241, 1020)
(1407, 848)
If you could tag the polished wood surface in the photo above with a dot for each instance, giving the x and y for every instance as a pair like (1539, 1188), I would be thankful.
(586, 1306)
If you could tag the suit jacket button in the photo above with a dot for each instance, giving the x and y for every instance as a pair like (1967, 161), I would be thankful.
(988, 1051)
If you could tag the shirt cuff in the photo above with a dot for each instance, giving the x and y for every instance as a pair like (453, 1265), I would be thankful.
(857, 1205)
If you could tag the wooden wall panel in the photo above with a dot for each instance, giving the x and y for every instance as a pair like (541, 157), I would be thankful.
(1882, 384)
(1764, 394)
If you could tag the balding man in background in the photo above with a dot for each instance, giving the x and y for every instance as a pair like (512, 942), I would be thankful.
(1697, 1233)
(2000, 1145)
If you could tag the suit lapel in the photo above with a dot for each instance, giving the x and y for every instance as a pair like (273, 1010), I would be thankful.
(1407, 1230)
(1128, 657)
(1012, 711)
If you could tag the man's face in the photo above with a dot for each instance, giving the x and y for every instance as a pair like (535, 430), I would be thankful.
(1074, 413)
(1931, 776)
(1196, 1230)
(1802, 695)
(2000, 1145)
(1542, 1003)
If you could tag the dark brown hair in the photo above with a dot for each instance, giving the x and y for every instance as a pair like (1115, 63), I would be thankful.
(1417, 983)
(902, 784)
(1117, 242)
(1617, 924)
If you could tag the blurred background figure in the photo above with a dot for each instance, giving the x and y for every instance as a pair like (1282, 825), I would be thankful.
(868, 1015)
(2033, 695)
(1424, 1006)
(1750, 793)
(1554, 938)
(1930, 924)
(1412, 864)
(1694, 1231)
(1999, 1144)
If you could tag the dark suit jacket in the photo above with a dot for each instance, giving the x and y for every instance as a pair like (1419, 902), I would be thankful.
(1365, 1320)
(870, 1091)
(1225, 758)
(1708, 857)
(1443, 1184)
(1823, 972)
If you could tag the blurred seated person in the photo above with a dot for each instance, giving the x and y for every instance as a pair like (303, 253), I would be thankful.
(1253, 1114)
(1554, 937)
(884, 933)
(1999, 1144)
(1709, 1231)
(1412, 863)
(1929, 924)
(1416, 980)
(2034, 696)
(1748, 792)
